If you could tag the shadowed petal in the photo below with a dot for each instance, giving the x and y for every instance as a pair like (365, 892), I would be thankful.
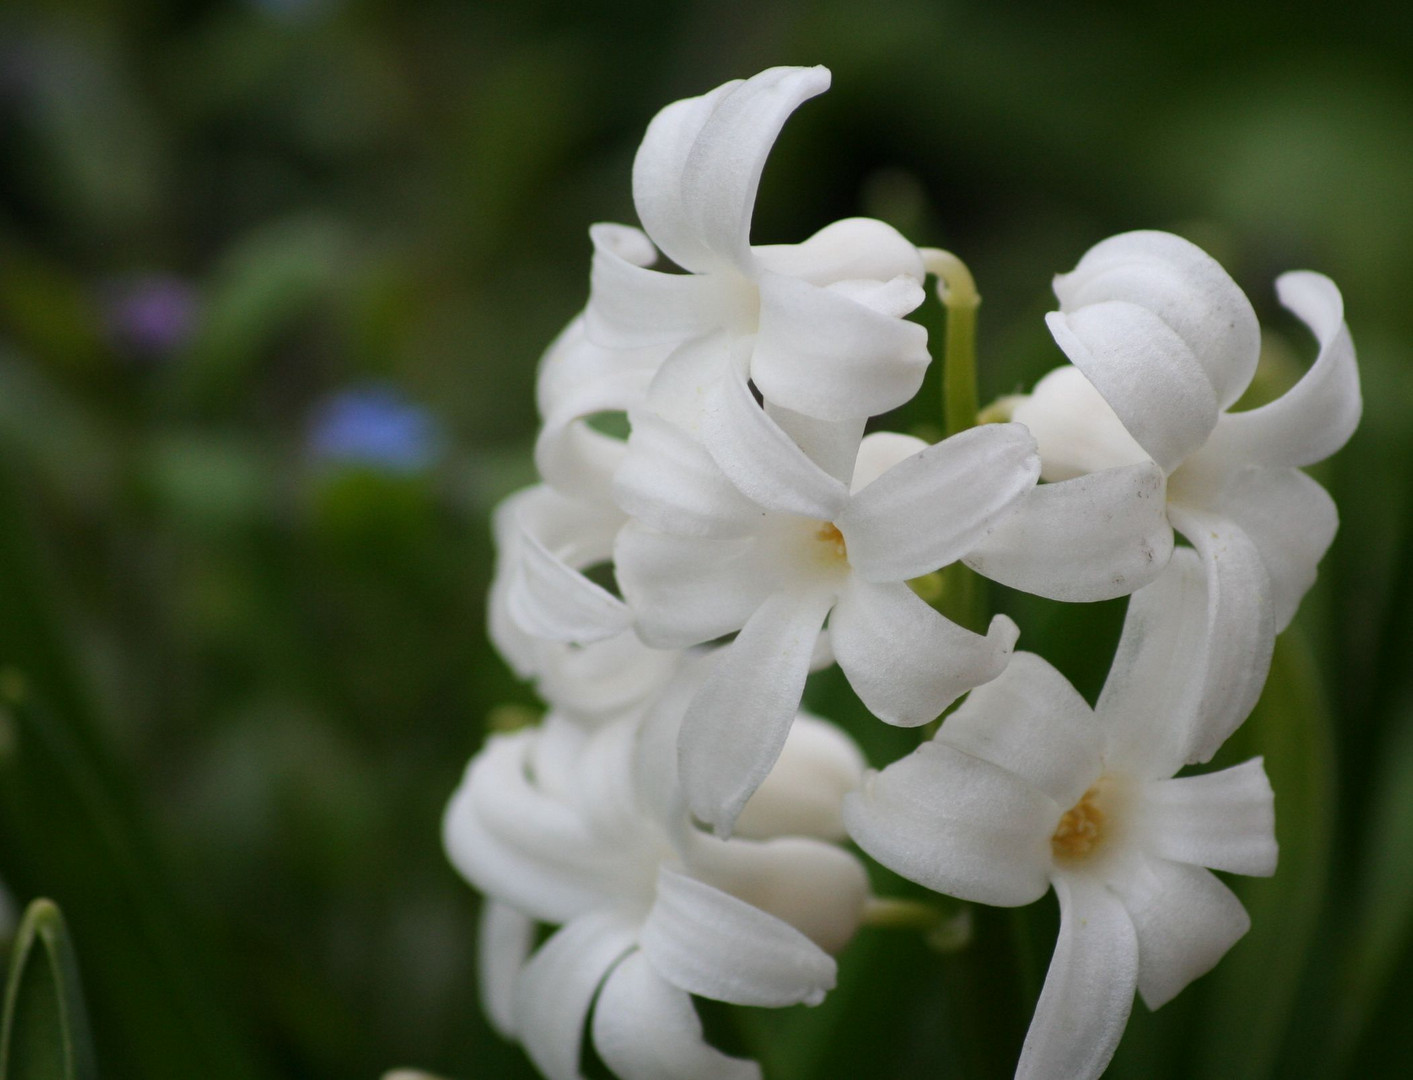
(1088, 990)
(1223, 820)
(504, 939)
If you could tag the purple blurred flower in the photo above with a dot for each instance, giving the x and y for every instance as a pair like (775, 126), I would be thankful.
(150, 315)
(374, 425)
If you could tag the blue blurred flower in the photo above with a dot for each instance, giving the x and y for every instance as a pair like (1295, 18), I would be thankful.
(150, 315)
(374, 425)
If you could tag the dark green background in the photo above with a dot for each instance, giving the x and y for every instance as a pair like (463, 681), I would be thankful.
(239, 686)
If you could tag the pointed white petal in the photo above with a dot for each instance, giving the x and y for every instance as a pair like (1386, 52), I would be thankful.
(550, 599)
(504, 939)
(906, 661)
(669, 482)
(685, 590)
(631, 306)
(958, 825)
(1074, 427)
(1088, 990)
(555, 989)
(817, 888)
(710, 943)
(1090, 538)
(1149, 707)
(722, 172)
(1292, 521)
(855, 249)
(1241, 630)
(1146, 372)
(932, 508)
(760, 459)
(1182, 285)
(738, 722)
(1030, 721)
(803, 794)
(1186, 921)
(644, 1028)
(1318, 414)
(1223, 820)
(823, 354)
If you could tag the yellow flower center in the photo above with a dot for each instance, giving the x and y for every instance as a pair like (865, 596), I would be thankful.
(1081, 828)
(832, 539)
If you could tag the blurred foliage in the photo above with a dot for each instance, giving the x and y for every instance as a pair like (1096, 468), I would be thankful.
(243, 662)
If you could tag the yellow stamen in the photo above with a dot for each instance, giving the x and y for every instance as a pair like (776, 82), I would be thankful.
(829, 535)
(1081, 829)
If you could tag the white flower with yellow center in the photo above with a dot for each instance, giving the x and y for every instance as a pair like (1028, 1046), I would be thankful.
(1026, 788)
(823, 317)
(760, 539)
(1162, 343)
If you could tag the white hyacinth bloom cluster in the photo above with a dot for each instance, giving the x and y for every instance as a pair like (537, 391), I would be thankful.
(676, 818)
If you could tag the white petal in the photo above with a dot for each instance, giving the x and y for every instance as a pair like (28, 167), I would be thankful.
(555, 989)
(817, 888)
(685, 590)
(803, 795)
(906, 661)
(760, 459)
(1030, 721)
(1148, 706)
(504, 939)
(657, 179)
(710, 943)
(631, 306)
(1146, 372)
(722, 172)
(1241, 629)
(1186, 921)
(552, 600)
(738, 722)
(1074, 427)
(820, 353)
(855, 249)
(932, 508)
(680, 388)
(646, 1029)
(1183, 286)
(669, 482)
(606, 678)
(574, 366)
(1094, 537)
(1292, 521)
(1223, 820)
(958, 825)
(1088, 990)
(1316, 416)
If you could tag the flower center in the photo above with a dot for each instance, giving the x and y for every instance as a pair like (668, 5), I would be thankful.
(1081, 829)
(831, 541)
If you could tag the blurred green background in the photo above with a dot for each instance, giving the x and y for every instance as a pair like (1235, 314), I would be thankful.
(274, 277)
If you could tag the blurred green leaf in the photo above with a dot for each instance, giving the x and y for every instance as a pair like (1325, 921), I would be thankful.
(1247, 1001)
(45, 1034)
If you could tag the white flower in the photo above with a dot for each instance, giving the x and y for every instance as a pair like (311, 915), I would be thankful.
(824, 317)
(1025, 787)
(564, 826)
(760, 539)
(1162, 343)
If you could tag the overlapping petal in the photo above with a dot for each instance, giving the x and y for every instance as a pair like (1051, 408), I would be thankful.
(906, 661)
(1075, 429)
(1223, 820)
(504, 940)
(708, 942)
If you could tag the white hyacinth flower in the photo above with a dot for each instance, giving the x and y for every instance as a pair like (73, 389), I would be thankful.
(824, 317)
(760, 539)
(1162, 342)
(565, 826)
(1025, 787)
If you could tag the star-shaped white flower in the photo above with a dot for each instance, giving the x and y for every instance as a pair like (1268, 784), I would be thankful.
(564, 826)
(1162, 342)
(1026, 788)
(760, 539)
(824, 317)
